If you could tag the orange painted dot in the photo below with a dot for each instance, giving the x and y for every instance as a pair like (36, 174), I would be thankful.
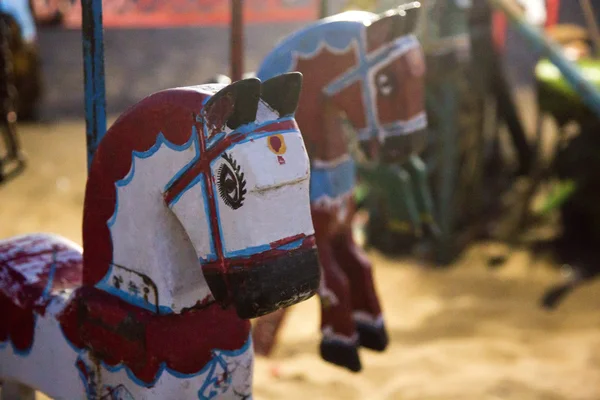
(277, 144)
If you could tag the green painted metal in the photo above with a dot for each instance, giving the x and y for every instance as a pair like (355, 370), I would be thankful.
(444, 34)
(556, 96)
(589, 94)
(402, 193)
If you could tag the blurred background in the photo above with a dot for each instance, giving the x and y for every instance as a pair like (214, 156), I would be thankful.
(499, 301)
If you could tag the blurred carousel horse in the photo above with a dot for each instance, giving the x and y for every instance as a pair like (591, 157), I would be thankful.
(369, 70)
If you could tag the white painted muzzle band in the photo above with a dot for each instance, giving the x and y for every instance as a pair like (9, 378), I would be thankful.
(397, 128)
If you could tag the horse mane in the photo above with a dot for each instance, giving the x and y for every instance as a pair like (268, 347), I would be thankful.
(337, 33)
(170, 113)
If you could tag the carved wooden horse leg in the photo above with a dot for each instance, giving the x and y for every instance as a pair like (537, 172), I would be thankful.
(340, 339)
(366, 310)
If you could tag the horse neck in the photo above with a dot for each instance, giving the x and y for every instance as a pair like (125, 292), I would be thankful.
(154, 264)
(329, 140)
(319, 120)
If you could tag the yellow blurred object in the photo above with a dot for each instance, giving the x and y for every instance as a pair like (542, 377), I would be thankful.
(400, 226)
(364, 5)
(574, 39)
(565, 33)
(577, 50)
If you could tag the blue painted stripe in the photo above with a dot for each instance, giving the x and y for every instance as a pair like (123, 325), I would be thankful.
(86, 385)
(196, 141)
(163, 366)
(366, 64)
(249, 251)
(332, 182)
(200, 179)
(305, 43)
(373, 59)
(50, 279)
(193, 183)
(160, 140)
(253, 126)
(248, 129)
(213, 250)
(210, 142)
(216, 200)
(256, 136)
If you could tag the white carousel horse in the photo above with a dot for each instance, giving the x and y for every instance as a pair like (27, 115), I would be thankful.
(196, 218)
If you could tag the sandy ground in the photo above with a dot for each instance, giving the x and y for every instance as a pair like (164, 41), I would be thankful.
(463, 333)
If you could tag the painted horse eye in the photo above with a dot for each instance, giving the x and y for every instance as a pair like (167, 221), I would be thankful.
(384, 84)
(231, 182)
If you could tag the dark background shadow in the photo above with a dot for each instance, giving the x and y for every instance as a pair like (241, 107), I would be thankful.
(139, 62)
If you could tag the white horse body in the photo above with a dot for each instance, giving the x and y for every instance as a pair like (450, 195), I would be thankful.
(48, 366)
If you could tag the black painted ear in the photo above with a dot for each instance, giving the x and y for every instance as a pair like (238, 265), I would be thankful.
(220, 79)
(234, 105)
(393, 24)
(282, 92)
(410, 13)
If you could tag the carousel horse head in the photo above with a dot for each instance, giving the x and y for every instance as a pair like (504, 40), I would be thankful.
(200, 194)
(366, 66)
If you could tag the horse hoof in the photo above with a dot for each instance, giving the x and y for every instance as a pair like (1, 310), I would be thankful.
(372, 337)
(341, 354)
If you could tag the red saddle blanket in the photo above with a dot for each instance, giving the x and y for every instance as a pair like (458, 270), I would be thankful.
(33, 268)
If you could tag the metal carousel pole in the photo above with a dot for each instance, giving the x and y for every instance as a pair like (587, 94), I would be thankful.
(324, 9)
(237, 40)
(13, 161)
(93, 68)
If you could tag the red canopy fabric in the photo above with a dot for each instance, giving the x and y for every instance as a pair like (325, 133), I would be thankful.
(172, 13)
(500, 23)
(553, 12)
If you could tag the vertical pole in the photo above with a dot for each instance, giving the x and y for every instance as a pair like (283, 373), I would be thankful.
(552, 12)
(448, 178)
(324, 9)
(8, 118)
(590, 19)
(237, 40)
(93, 69)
